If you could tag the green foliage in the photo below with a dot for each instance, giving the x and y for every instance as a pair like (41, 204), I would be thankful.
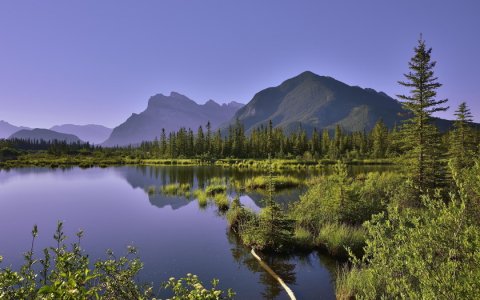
(429, 253)
(281, 182)
(216, 186)
(421, 138)
(221, 200)
(182, 189)
(191, 288)
(337, 239)
(65, 273)
(462, 140)
(201, 197)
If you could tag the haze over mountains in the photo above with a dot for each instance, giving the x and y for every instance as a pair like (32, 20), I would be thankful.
(171, 113)
(94, 134)
(306, 101)
(7, 129)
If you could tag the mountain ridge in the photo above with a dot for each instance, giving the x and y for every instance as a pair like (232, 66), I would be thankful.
(171, 113)
(38, 134)
(313, 101)
(92, 133)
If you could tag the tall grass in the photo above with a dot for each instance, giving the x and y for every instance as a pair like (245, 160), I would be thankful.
(221, 200)
(201, 197)
(281, 182)
(352, 282)
(335, 238)
(176, 189)
(303, 238)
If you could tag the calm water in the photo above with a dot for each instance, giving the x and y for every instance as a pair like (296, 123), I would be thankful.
(173, 235)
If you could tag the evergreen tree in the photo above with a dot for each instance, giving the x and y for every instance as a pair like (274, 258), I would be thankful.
(462, 143)
(379, 140)
(419, 134)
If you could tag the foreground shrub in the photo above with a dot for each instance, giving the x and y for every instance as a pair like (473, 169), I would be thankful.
(428, 253)
(191, 287)
(65, 273)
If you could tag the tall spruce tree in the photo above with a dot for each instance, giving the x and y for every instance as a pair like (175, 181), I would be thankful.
(420, 137)
(462, 141)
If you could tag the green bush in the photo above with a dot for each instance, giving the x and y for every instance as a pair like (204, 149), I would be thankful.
(66, 273)
(422, 253)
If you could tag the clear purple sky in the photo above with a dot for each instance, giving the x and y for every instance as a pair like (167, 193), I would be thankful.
(99, 61)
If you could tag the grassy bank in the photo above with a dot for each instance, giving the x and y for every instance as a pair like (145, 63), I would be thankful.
(45, 159)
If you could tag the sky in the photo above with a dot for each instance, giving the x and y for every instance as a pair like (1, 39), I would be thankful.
(98, 62)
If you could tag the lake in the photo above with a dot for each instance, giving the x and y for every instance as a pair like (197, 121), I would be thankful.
(174, 236)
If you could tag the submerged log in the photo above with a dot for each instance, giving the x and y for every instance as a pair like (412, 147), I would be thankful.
(274, 275)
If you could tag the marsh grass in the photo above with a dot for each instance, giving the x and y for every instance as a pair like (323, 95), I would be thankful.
(281, 182)
(221, 200)
(352, 281)
(336, 238)
(201, 197)
(303, 238)
(177, 189)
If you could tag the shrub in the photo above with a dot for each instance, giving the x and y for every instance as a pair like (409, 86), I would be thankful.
(66, 273)
(429, 253)
(191, 287)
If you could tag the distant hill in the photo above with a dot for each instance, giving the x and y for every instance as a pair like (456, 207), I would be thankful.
(94, 134)
(312, 101)
(170, 112)
(7, 129)
(44, 134)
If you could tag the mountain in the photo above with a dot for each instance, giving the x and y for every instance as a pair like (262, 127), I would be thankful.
(44, 134)
(170, 112)
(312, 101)
(94, 134)
(7, 129)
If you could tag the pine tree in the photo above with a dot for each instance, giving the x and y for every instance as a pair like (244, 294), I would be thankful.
(462, 143)
(379, 140)
(419, 134)
(277, 227)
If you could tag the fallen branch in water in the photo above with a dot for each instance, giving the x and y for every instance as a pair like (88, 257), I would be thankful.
(274, 275)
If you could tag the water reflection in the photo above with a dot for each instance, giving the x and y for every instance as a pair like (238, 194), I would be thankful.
(143, 177)
(114, 208)
(281, 266)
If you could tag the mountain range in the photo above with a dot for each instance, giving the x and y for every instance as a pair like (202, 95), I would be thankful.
(44, 134)
(7, 129)
(94, 134)
(312, 101)
(305, 101)
(170, 113)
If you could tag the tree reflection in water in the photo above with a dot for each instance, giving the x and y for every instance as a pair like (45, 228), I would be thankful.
(279, 264)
